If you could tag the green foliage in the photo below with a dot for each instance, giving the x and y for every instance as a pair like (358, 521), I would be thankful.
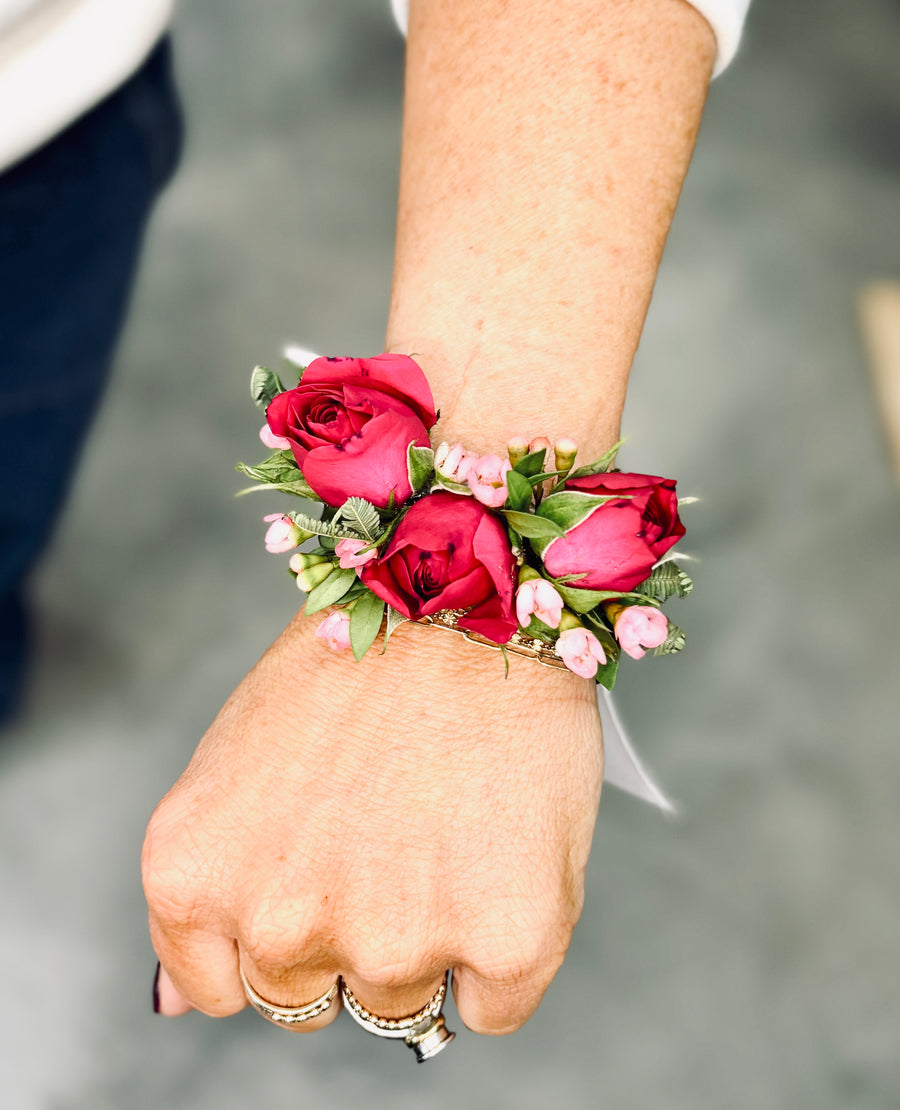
(673, 642)
(599, 466)
(360, 517)
(535, 528)
(331, 591)
(665, 581)
(365, 623)
(569, 508)
(278, 472)
(532, 463)
(394, 620)
(419, 466)
(583, 600)
(519, 487)
(327, 529)
(265, 385)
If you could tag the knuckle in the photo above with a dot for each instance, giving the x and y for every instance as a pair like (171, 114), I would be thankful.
(388, 968)
(533, 953)
(275, 936)
(172, 879)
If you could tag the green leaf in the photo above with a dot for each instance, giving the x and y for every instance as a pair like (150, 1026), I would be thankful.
(325, 528)
(673, 642)
(599, 466)
(278, 472)
(330, 591)
(584, 600)
(532, 463)
(360, 516)
(665, 581)
(569, 508)
(365, 623)
(419, 466)
(394, 620)
(519, 489)
(461, 489)
(545, 475)
(265, 385)
(533, 527)
(278, 467)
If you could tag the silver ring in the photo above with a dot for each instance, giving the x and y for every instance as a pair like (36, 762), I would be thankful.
(425, 1031)
(286, 1016)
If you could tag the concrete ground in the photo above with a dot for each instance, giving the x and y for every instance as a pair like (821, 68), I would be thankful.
(743, 956)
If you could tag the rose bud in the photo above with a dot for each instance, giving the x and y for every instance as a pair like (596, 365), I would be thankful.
(449, 552)
(350, 422)
(564, 454)
(581, 651)
(517, 449)
(616, 545)
(486, 477)
(272, 441)
(537, 597)
(335, 630)
(283, 533)
(452, 463)
(354, 553)
(638, 627)
(539, 443)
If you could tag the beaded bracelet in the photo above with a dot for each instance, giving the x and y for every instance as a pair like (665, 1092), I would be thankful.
(525, 553)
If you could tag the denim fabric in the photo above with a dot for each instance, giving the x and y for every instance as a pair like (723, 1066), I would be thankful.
(72, 219)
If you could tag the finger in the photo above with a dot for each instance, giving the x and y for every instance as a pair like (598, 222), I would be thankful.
(167, 999)
(391, 998)
(201, 967)
(293, 987)
(502, 1001)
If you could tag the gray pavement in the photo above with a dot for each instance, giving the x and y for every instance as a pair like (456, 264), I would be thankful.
(743, 956)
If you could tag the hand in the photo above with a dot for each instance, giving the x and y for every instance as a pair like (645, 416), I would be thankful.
(382, 821)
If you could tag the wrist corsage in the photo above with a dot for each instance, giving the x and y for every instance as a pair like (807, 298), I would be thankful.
(526, 553)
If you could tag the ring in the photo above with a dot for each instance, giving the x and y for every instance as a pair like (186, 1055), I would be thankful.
(425, 1031)
(287, 1016)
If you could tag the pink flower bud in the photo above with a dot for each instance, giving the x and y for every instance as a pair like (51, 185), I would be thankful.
(283, 533)
(276, 443)
(517, 449)
(487, 479)
(564, 453)
(581, 651)
(351, 554)
(539, 443)
(538, 597)
(452, 462)
(335, 630)
(640, 626)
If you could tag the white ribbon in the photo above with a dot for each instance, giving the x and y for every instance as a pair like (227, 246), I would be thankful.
(621, 765)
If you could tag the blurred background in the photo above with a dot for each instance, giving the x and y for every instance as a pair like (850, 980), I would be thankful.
(742, 955)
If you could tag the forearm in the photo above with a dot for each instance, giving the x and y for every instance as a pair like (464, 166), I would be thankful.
(544, 149)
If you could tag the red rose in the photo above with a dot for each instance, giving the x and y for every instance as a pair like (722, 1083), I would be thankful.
(449, 552)
(350, 422)
(616, 546)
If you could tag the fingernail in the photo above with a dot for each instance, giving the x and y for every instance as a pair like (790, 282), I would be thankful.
(156, 989)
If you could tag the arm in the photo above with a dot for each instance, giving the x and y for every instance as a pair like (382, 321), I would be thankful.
(389, 819)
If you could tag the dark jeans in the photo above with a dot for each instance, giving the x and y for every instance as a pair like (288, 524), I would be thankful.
(72, 219)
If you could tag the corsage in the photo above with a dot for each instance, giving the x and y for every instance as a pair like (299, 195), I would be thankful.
(525, 552)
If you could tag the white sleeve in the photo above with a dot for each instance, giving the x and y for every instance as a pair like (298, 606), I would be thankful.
(726, 17)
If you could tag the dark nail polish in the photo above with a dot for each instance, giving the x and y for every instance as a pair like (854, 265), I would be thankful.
(156, 990)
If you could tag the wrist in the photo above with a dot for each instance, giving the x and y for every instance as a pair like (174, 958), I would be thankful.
(495, 387)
